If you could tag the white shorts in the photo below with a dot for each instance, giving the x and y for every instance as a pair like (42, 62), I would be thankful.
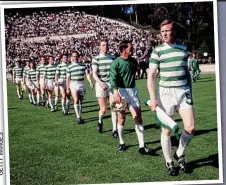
(100, 93)
(41, 82)
(19, 81)
(50, 85)
(173, 99)
(33, 85)
(79, 87)
(63, 84)
(130, 95)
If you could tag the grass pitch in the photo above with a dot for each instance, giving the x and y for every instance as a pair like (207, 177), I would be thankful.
(49, 148)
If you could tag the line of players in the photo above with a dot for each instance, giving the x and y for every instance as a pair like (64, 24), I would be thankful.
(42, 80)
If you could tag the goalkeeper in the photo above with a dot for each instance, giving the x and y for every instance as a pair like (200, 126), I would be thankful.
(195, 71)
(174, 93)
(122, 80)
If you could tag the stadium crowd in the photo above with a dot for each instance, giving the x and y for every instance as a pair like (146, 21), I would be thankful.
(69, 23)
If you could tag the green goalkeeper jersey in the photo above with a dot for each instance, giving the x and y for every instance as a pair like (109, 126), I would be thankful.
(194, 63)
(122, 73)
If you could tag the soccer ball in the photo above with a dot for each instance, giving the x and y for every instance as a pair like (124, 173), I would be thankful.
(119, 107)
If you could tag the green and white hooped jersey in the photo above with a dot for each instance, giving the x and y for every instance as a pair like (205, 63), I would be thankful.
(41, 70)
(103, 64)
(50, 72)
(76, 71)
(32, 75)
(18, 70)
(62, 70)
(26, 69)
(171, 60)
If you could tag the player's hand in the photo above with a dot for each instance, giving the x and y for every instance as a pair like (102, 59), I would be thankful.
(103, 85)
(153, 105)
(91, 85)
(117, 97)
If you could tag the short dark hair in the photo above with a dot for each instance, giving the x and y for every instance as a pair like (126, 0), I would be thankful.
(64, 54)
(50, 56)
(103, 40)
(123, 45)
(76, 53)
(168, 21)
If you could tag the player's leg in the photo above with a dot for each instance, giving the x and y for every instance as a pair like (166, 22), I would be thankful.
(63, 99)
(186, 112)
(68, 102)
(75, 96)
(74, 87)
(121, 123)
(38, 95)
(33, 94)
(187, 116)
(42, 91)
(18, 85)
(50, 89)
(81, 95)
(166, 103)
(114, 118)
(101, 96)
(27, 83)
(166, 149)
(197, 74)
(139, 128)
(22, 89)
(50, 95)
(18, 90)
(56, 92)
(103, 109)
(193, 75)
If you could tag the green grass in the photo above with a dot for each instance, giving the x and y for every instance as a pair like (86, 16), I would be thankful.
(49, 148)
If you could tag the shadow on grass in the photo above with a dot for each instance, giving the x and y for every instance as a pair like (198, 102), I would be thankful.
(201, 132)
(201, 78)
(13, 108)
(211, 160)
(84, 102)
(86, 120)
(86, 106)
(200, 81)
(174, 140)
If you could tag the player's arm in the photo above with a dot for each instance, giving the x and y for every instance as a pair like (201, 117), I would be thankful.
(153, 66)
(13, 76)
(68, 81)
(95, 76)
(57, 75)
(28, 77)
(188, 76)
(114, 80)
(89, 78)
(37, 76)
(44, 77)
(24, 76)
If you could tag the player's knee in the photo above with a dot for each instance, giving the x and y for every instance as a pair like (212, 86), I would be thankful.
(76, 101)
(138, 119)
(103, 110)
(165, 132)
(121, 121)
